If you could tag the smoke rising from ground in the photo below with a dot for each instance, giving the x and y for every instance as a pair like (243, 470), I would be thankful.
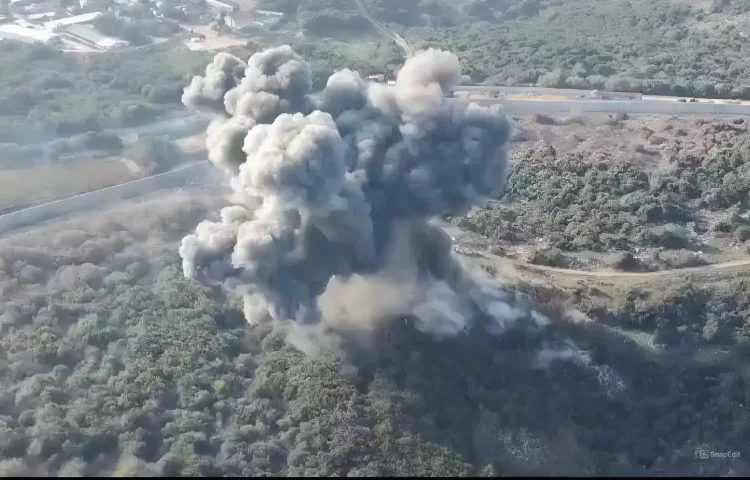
(332, 193)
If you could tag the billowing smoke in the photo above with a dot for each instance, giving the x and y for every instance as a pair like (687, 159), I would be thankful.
(333, 192)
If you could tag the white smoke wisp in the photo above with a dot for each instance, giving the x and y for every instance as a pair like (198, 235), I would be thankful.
(333, 193)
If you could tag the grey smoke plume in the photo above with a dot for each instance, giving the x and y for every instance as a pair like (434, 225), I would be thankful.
(333, 193)
(222, 75)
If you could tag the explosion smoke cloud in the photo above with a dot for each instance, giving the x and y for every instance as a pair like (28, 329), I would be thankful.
(333, 192)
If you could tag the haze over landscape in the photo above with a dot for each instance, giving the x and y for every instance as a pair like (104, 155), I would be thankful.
(374, 238)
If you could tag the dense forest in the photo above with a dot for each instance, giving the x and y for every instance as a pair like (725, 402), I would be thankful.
(659, 47)
(112, 363)
(78, 95)
(662, 194)
(46, 93)
(322, 17)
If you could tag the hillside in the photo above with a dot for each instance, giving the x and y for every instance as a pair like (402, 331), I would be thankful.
(317, 321)
(654, 47)
(658, 47)
(111, 363)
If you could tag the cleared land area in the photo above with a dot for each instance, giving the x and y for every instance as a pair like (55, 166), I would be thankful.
(28, 187)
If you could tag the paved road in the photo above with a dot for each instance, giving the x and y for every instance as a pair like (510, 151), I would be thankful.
(617, 102)
(387, 32)
(572, 93)
(705, 269)
(634, 107)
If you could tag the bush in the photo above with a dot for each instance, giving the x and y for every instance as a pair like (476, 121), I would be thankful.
(154, 154)
(74, 97)
(658, 49)
(626, 261)
(552, 257)
(164, 93)
(681, 259)
(577, 202)
(742, 233)
(543, 119)
(669, 236)
(99, 141)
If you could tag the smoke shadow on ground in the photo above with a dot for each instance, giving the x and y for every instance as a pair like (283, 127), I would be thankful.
(570, 399)
(535, 404)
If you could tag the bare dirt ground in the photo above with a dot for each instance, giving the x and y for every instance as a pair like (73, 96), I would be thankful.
(213, 41)
(192, 144)
(32, 186)
(471, 247)
(564, 291)
(649, 139)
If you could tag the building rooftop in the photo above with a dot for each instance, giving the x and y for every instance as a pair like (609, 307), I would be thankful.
(90, 34)
(18, 32)
(225, 4)
(39, 16)
(269, 12)
(85, 18)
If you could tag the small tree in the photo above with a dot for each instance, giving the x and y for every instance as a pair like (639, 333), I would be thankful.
(154, 154)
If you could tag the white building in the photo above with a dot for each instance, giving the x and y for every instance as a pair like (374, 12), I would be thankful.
(269, 13)
(110, 43)
(29, 35)
(89, 34)
(24, 23)
(226, 6)
(64, 22)
(41, 16)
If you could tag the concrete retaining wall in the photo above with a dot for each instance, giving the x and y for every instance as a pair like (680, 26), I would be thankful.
(194, 173)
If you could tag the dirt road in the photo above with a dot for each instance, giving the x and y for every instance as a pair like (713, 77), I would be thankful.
(705, 269)
(383, 29)
(503, 262)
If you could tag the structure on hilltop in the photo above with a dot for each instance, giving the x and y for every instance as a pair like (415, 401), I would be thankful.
(12, 31)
